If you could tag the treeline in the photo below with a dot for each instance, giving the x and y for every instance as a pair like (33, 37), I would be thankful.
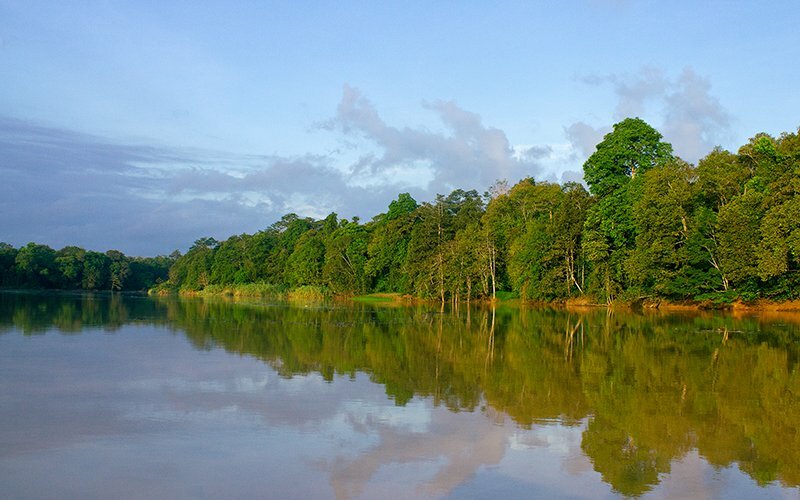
(72, 268)
(649, 226)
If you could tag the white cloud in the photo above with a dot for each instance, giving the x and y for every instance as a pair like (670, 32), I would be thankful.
(65, 188)
(470, 155)
(687, 114)
(585, 138)
(694, 120)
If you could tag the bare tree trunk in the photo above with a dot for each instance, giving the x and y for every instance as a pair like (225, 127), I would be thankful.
(493, 270)
(571, 271)
(715, 263)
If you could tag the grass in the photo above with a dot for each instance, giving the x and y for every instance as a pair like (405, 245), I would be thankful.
(309, 293)
(506, 295)
(375, 297)
(260, 290)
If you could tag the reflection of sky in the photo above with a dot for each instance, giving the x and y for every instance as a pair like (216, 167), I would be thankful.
(141, 414)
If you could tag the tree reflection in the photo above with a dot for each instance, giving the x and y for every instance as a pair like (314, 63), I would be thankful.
(651, 387)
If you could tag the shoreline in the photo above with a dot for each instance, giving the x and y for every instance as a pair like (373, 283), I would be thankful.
(760, 305)
(396, 298)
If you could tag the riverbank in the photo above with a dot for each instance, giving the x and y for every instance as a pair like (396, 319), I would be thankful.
(314, 293)
(737, 306)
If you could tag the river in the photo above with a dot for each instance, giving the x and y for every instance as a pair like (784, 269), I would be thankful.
(112, 396)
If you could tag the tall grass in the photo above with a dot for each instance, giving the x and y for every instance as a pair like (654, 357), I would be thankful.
(376, 298)
(309, 293)
(306, 293)
(259, 290)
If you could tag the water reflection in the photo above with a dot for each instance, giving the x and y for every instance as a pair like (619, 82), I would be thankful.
(636, 398)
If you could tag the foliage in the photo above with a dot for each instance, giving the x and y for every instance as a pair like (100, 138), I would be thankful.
(649, 226)
(73, 268)
(632, 148)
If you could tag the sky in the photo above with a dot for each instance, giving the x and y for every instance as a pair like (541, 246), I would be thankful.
(144, 125)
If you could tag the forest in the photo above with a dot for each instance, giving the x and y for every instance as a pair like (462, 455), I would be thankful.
(650, 227)
(37, 266)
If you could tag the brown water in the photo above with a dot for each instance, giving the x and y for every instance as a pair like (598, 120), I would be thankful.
(134, 397)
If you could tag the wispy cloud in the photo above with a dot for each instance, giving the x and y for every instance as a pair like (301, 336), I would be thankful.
(63, 188)
(584, 137)
(691, 117)
(694, 119)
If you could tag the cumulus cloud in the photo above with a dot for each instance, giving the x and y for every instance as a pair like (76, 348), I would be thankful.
(584, 137)
(691, 118)
(467, 155)
(694, 119)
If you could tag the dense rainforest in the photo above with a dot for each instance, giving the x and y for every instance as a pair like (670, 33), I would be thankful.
(38, 266)
(650, 226)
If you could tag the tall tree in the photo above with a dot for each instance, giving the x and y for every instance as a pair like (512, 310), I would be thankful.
(661, 260)
(95, 271)
(388, 246)
(8, 271)
(304, 266)
(36, 266)
(346, 257)
(119, 269)
(613, 173)
(69, 261)
(630, 149)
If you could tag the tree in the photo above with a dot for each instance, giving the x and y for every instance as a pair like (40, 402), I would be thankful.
(738, 235)
(426, 249)
(661, 261)
(192, 271)
(465, 268)
(145, 272)
(304, 266)
(568, 220)
(503, 223)
(230, 263)
(8, 272)
(632, 148)
(69, 261)
(614, 173)
(721, 177)
(779, 248)
(429, 247)
(36, 266)
(119, 269)
(403, 205)
(387, 248)
(95, 271)
(531, 232)
(345, 258)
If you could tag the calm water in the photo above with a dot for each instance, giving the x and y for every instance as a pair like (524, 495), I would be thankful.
(134, 397)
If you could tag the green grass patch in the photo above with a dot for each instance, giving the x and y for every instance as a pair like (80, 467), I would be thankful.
(373, 298)
(310, 293)
(506, 295)
(259, 290)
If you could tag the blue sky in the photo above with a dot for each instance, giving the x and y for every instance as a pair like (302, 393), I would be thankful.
(142, 126)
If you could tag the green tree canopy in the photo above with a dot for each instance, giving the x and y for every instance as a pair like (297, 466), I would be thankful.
(632, 148)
